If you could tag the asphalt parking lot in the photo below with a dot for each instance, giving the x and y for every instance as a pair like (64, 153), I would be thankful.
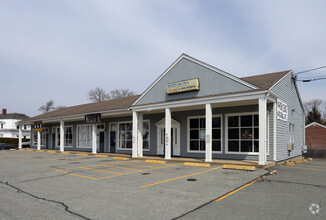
(40, 185)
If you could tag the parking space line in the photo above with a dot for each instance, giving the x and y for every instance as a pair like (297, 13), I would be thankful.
(134, 164)
(119, 167)
(73, 174)
(244, 186)
(106, 177)
(143, 170)
(62, 161)
(104, 171)
(164, 181)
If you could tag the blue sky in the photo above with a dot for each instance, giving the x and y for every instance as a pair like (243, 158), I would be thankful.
(60, 49)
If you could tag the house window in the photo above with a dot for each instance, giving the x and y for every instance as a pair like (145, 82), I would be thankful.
(125, 135)
(197, 134)
(84, 136)
(242, 133)
(24, 127)
(1, 126)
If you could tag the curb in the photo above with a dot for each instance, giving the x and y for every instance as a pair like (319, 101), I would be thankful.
(82, 154)
(155, 161)
(196, 164)
(237, 167)
(120, 158)
(101, 156)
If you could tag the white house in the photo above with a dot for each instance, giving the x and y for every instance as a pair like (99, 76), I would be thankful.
(9, 127)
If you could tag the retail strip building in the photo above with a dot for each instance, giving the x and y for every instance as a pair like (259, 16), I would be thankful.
(192, 110)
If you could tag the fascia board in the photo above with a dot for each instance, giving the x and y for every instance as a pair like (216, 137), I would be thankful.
(81, 116)
(199, 63)
(201, 101)
(280, 80)
(315, 123)
(159, 78)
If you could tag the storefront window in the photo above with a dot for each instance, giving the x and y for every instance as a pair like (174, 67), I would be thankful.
(243, 133)
(42, 138)
(197, 134)
(146, 135)
(68, 136)
(125, 135)
(84, 136)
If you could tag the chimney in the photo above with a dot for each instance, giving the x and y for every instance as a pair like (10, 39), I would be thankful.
(4, 111)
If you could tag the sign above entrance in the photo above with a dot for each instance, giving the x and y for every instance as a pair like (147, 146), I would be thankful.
(93, 118)
(182, 86)
(282, 111)
(38, 126)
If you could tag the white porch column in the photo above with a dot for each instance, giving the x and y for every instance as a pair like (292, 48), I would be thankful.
(135, 134)
(94, 139)
(208, 145)
(262, 130)
(167, 133)
(20, 134)
(38, 140)
(62, 135)
(140, 135)
(274, 132)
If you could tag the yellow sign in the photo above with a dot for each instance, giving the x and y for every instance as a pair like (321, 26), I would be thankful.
(38, 126)
(183, 86)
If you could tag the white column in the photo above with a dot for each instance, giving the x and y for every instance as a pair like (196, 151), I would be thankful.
(62, 135)
(38, 140)
(134, 134)
(94, 139)
(262, 130)
(140, 135)
(274, 132)
(20, 134)
(208, 145)
(167, 133)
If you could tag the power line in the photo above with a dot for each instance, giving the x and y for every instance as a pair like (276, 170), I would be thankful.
(309, 80)
(311, 70)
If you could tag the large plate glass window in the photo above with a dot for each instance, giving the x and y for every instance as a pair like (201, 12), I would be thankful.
(243, 133)
(68, 136)
(84, 136)
(125, 135)
(42, 138)
(197, 134)
(146, 135)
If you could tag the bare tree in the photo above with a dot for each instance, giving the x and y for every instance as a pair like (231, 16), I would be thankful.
(315, 111)
(97, 95)
(49, 106)
(120, 93)
(314, 103)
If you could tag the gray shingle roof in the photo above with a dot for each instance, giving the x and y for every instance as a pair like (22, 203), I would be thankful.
(17, 116)
(264, 82)
(112, 104)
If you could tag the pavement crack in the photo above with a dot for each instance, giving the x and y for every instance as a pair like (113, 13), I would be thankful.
(211, 201)
(288, 182)
(48, 177)
(44, 199)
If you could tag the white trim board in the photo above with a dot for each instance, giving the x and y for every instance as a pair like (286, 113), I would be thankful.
(185, 56)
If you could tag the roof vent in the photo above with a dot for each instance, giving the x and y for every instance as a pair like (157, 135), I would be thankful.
(4, 111)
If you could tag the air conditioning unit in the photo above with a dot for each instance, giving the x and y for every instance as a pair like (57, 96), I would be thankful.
(290, 146)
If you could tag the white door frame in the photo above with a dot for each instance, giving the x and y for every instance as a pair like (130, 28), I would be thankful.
(175, 125)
